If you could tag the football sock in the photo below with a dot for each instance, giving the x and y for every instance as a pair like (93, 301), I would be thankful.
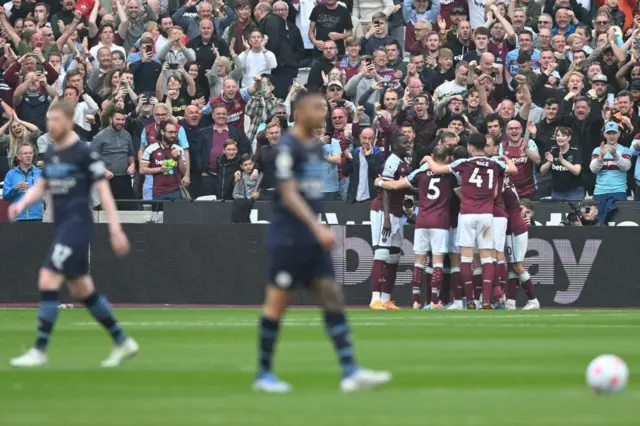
(436, 282)
(496, 280)
(378, 276)
(268, 337)
(392, 272)
(512, 286)
(428, 277)
(456, 283)
(501, 273)
(477, 282)
(525, 280)
(99, 307)
(338, 330)
(487, 279)
(416, 282)
(466, 273)
(390, 282)
(47, 316)
(445, 293)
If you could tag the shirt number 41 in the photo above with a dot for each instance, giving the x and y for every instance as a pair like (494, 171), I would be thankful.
(477, 179)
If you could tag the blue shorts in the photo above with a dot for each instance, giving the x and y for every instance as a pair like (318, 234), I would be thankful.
(69, 252)
(292, 266)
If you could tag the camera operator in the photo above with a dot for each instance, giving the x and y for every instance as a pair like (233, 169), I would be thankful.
(584, 214)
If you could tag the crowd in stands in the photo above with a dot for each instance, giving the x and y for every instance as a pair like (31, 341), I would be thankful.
(557, 82)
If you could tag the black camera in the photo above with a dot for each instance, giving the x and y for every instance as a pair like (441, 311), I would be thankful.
(576, 216)
(408, 203)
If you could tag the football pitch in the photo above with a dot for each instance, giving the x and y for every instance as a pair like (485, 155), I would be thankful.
(450, 368)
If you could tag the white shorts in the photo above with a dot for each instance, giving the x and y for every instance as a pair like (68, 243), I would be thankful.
(517, 247)
(377, 222)
(499, 233)
(453, 240)
(434, 240)
(475, 230)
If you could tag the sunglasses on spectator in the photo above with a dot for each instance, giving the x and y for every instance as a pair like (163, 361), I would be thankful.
(602, 22)
(335, 89)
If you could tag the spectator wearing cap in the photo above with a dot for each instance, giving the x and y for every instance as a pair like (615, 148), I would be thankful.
(335, 94)
(599, 89)
(610, 162)
(452, 12)
(323, 65)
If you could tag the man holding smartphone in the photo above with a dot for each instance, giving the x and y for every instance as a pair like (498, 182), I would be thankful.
(378, 35)
(145, 66)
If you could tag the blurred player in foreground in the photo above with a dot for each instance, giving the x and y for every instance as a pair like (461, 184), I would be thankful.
(70, 171)
(299, 248)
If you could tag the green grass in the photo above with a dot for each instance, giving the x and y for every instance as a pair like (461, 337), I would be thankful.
(450, 368)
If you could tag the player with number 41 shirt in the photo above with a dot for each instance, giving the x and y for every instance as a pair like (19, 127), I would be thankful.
(478, 177)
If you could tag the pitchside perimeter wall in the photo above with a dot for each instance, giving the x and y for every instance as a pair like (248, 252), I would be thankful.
(226, 264)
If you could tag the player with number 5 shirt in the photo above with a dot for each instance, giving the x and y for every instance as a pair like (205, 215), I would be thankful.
(433, 222)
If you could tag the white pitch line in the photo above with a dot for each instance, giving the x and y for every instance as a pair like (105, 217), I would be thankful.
(422, 324)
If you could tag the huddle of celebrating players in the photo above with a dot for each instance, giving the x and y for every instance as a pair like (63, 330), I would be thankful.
(469, 215)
